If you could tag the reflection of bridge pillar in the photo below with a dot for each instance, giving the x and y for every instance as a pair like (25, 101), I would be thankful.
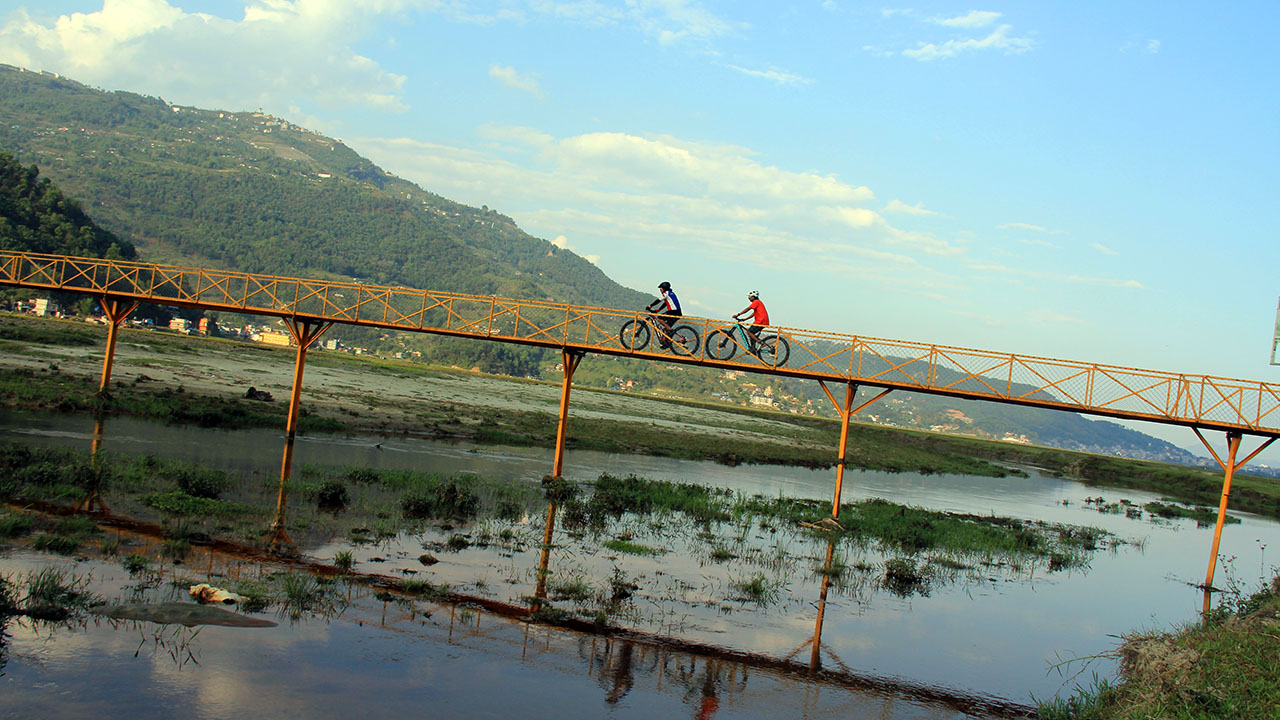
(116, 312)
(99, 426)
(94, 503)
(571, 358)
(1229, 466)
(815, 655)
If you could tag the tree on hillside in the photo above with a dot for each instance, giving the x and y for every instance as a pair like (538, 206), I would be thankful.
(36, 217)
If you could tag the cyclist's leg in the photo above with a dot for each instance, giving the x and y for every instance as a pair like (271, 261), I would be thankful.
(668, 321)
(753, 332)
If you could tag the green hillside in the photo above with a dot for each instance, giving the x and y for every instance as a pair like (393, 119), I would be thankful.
(255, 193)
(36, 217)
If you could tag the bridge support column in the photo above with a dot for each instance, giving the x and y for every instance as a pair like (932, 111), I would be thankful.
(1229, 467)
(116, 312)
(846, 411)
(571, 358)
(304, 333)
(544, 561)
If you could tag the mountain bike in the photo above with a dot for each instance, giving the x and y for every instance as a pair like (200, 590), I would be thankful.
(772, 350)
(635, 335)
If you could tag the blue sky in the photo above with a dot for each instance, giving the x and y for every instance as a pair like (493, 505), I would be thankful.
(1093, 181)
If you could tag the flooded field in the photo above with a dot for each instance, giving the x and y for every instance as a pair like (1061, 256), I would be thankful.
(392, 658)
(693, 617)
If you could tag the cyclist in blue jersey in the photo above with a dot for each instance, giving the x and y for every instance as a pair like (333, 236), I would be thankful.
(669, 305)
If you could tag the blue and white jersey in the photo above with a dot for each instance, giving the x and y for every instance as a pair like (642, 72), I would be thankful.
(669, 301)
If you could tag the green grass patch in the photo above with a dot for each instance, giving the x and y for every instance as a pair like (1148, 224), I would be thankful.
(13, 525)
(1201, 514)
(757, 588)
(425, 589)
(630, 548)
(178, 502)
(53, 594)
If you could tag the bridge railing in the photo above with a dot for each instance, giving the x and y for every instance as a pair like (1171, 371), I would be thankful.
(1115, 391)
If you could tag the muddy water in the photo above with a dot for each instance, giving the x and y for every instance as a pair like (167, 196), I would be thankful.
(990, 631)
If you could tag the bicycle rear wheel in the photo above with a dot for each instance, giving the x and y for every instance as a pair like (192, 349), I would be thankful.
(634, 335)
(684, 340)
(774, 351)
(721, 346)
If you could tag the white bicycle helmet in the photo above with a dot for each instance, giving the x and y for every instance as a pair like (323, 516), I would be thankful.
(753, 295)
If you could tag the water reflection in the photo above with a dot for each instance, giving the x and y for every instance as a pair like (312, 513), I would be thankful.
(990, 632)
(93, 501)
(617, 658)
(814, 643)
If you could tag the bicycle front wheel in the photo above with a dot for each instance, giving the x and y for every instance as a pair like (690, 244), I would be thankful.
(634, 334)
(774, 351)
(684, 340)
(720, 346)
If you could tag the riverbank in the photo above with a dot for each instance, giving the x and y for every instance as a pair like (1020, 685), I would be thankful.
(52, 365)
(1226, 666)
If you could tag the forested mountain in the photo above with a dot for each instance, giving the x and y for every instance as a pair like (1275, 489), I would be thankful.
(250, 192)
(36, 217)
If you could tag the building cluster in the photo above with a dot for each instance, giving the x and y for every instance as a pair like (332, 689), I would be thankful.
(267, 334)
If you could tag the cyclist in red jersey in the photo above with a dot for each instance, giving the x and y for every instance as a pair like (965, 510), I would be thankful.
(759, 316)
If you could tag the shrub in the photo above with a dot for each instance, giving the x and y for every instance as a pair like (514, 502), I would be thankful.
(56, 543)
(332, 494)
(12, 526)
(445, 499)
(200, 483)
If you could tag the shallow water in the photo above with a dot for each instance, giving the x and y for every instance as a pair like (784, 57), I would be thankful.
(991, 631)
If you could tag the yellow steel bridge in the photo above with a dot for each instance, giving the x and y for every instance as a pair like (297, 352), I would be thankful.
(309, 307)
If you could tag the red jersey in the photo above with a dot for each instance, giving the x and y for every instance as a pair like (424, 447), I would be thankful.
(760, 316)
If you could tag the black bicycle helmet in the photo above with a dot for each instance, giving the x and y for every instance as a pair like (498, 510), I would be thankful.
(664, 285)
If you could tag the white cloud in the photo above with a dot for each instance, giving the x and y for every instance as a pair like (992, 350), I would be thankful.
(1153, 46)
(1054, 317)
(668, 21)
(1023, 273)
(512, 79)
(563, 243)
(1021, 226)
(778, 77)
(1103, 249)
(1038, 242)
(897, 206)
(975, 19)
(999, 39)
(669, 195)
(278, 53)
